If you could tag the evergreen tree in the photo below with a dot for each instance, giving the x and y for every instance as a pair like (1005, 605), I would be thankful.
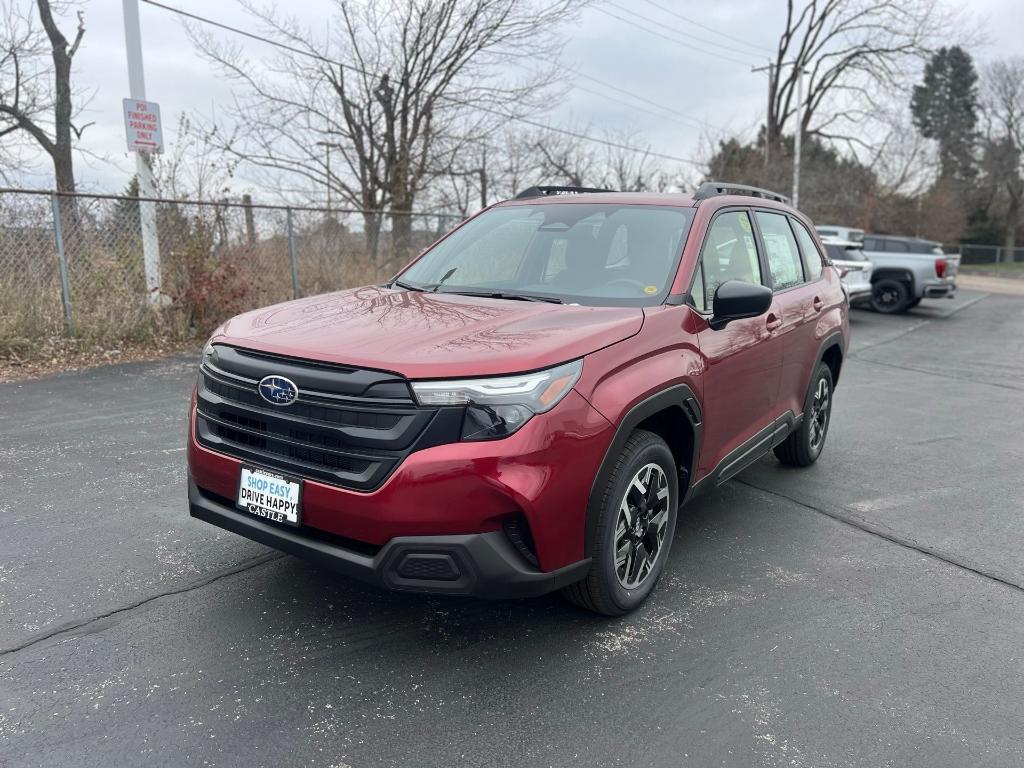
(945, 108)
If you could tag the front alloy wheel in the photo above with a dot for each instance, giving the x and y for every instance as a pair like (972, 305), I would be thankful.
(640, 528)
(629, 529)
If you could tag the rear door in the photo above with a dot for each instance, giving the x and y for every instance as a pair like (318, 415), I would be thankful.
(742, 360)
(799, 301)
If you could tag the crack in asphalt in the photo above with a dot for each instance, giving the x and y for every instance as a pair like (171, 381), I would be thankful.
(847, 517)
(73, 628)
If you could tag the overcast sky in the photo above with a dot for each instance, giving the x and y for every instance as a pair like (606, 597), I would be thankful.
(707, 88)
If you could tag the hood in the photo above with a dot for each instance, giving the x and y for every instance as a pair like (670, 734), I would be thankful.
(430, 335)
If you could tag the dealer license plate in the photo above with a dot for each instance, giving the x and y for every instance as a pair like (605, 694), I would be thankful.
(269, 495)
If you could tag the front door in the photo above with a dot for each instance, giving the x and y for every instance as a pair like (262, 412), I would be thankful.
(743, 360)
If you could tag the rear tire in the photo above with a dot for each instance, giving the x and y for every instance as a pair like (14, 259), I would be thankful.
(804, 445)
(889, 296)
(633, 533)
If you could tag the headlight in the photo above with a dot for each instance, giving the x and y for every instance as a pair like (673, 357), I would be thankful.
(498, 407)
(209, 353)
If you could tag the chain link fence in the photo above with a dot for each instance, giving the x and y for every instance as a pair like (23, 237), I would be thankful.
(991, 258)
(75, 267)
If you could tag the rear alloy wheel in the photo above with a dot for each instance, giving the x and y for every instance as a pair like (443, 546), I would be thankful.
(804, 444)
(631, 537)
(889, 296)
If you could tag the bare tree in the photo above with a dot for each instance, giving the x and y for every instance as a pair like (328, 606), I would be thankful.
(398, 85)
(562, 159)
(630, 170)
(851, 51)
(34, 100)
(1003, 102)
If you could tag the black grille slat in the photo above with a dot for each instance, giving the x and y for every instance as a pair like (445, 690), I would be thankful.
(342, 439)
(346, 417)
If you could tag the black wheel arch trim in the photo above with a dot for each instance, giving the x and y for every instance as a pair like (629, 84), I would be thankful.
(834, 339)
(677, 396)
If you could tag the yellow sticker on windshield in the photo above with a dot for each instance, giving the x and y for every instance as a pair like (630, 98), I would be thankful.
(650, 289)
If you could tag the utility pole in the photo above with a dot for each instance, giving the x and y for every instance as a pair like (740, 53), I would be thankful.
(328, 146)
(770, 68)
(798, 135)
(147, 185)
(774, 72)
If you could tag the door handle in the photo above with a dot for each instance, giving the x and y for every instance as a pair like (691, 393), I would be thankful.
(817, 304)
(772, 322)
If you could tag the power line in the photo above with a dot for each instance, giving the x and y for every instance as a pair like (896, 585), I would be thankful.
(675, 40)
(696, 121)
(585, 137)
(251, 35)
(690, 35)
(320, 57)
(741, 41)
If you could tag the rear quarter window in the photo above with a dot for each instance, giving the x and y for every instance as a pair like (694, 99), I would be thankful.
(810, 252)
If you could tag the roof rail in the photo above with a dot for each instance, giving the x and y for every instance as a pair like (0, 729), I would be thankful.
(714, 188)
(552, 191)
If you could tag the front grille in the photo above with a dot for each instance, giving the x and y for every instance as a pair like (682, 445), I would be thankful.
(348, 427)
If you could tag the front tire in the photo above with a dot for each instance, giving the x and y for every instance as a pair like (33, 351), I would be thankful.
(890, 296)
(633, 531)
(804, 445)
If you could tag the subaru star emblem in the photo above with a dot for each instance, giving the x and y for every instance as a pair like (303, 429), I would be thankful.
(277, 390)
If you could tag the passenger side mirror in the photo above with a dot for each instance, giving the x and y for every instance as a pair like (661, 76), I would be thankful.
(735, 300)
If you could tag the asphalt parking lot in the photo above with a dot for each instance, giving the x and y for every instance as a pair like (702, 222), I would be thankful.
(868, 611)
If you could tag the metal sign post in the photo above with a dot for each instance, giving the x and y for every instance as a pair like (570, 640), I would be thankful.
(148, 130)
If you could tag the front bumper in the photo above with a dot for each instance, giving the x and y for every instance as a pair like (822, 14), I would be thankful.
(478, 564)
(541, 475)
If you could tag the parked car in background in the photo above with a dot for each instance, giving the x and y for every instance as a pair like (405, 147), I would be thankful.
(854, 268)
(525, 406)
(850, 234)
(906, 270)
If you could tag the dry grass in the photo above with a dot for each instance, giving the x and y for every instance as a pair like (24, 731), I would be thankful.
(214, 264)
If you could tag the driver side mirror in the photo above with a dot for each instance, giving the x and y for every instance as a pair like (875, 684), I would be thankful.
(735, 300)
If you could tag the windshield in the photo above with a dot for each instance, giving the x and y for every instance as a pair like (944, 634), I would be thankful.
(595, 254)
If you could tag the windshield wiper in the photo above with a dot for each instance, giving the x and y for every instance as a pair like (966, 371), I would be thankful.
(405, 286)
(433, 288)
(513, 296)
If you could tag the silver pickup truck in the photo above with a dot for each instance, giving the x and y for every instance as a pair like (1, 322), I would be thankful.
(906, 269)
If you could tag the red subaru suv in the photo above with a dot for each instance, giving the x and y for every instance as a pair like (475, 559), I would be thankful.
(525, 407)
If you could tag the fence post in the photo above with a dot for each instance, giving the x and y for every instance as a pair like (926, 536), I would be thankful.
(58, 236)
(291, 251)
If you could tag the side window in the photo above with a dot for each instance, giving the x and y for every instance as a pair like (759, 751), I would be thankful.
(811, 254)
(896, 246)
(697, 291)
(784, 261)
(729, 253)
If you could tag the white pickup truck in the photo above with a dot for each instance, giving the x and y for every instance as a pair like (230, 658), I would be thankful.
(906, 269)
